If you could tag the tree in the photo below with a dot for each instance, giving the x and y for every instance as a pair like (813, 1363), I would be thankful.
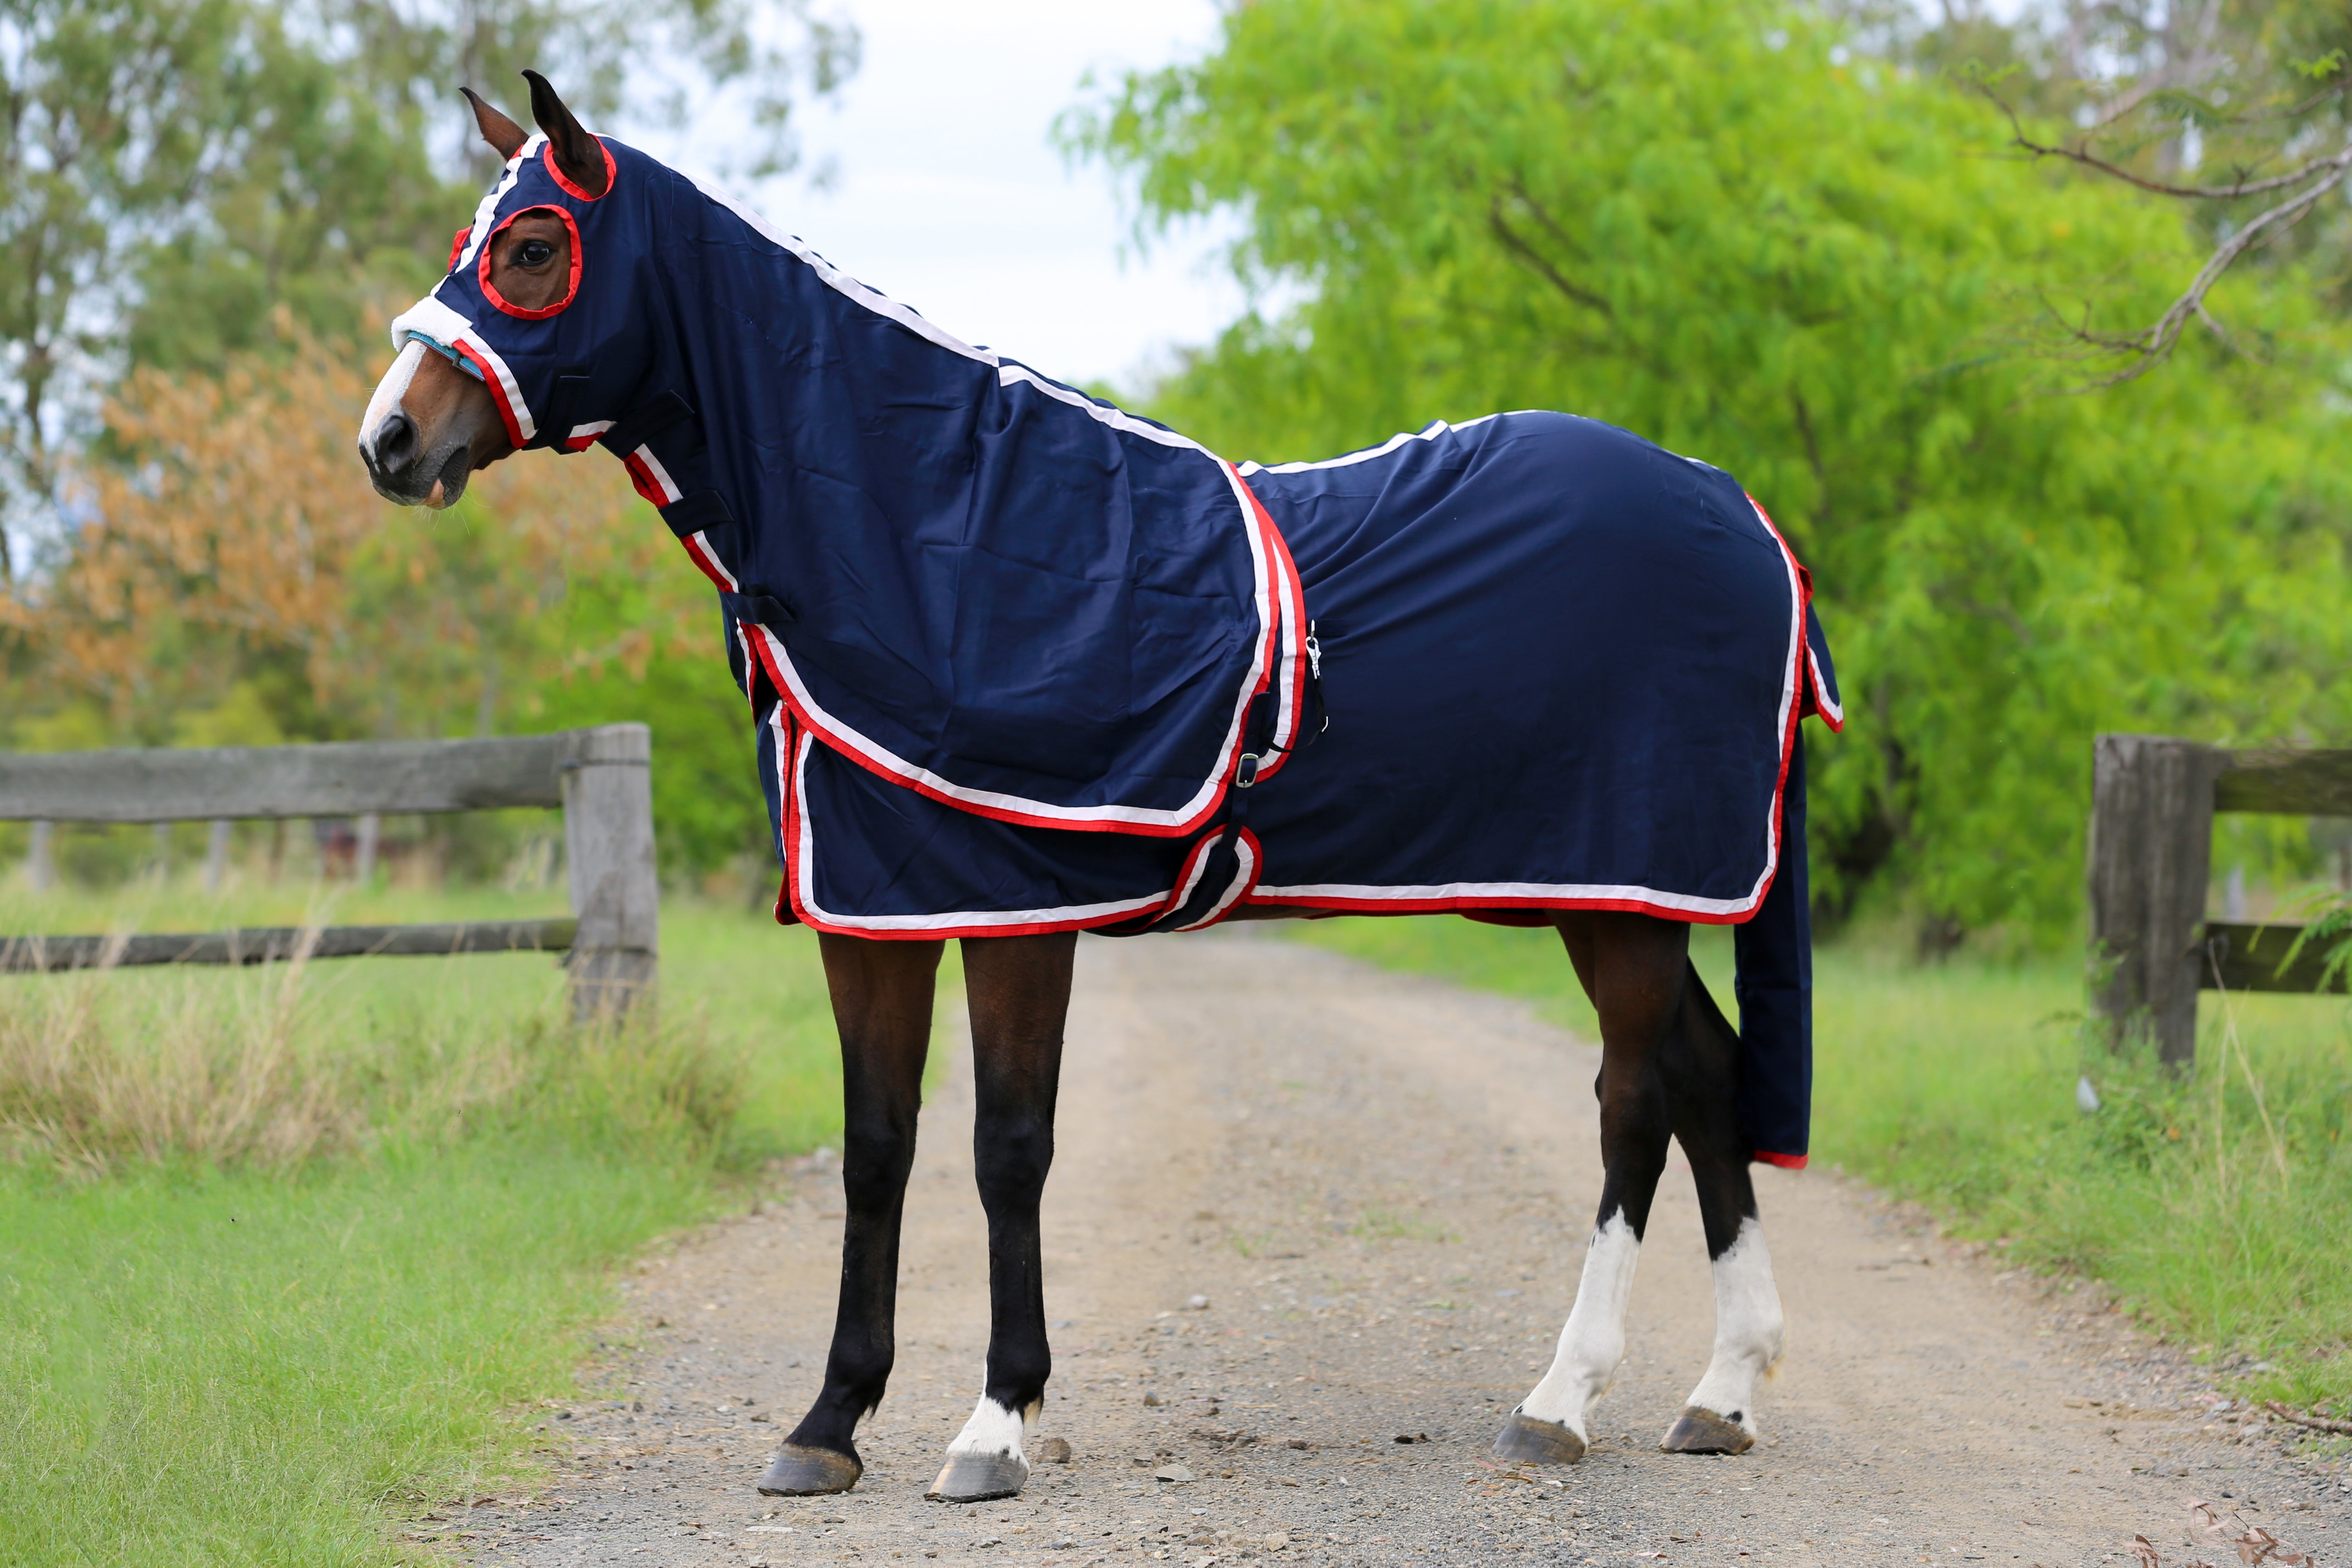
(2236, 110)
(1721, 225)
(171, 172)
(239, 577)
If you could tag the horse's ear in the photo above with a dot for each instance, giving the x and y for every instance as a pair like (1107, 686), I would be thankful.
(579, 155)
(505, 137)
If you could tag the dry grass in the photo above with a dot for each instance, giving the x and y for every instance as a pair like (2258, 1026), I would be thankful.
(271, 1069)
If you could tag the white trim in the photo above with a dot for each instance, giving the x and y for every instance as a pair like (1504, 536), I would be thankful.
(1431, 432)
(1203, 799)
(1012, 372)
(700, 542)
(1476, 892)
(436, 320)
(874, 300)
(671, 494)
(481, 230)
(1473, 892)
(582, 437)
(804, 870)
(1831, 708)
(1245, 873)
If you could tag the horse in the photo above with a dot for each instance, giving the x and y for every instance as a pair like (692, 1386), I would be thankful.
(1021, 664)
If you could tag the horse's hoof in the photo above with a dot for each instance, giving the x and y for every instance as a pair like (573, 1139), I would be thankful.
(1524, 1440)
(1697, 1431)
(809, 1472)
(980, 1477)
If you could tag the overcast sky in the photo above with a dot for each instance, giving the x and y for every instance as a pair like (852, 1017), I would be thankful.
(950, 197)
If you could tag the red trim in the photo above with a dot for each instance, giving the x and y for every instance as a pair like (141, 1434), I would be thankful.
(789, 763)
(458, 247)
(489, 292)
(498, 391)
(1247, 875)
(547, 156)
(1467, 905)
(642, 477)
(697, 550)
(1786, 1161)
(1294, 629)
(1276, 557)
(1000, 814)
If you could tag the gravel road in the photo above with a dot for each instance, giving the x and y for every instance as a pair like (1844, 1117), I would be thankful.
(1381, 1186)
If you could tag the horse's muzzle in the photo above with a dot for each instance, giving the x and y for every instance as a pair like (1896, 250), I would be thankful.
(405, 474)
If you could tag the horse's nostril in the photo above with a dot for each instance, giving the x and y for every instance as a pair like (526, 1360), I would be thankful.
(395, 442)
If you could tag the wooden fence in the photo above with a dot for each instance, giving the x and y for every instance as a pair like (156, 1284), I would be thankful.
(600, 778)
(2152, 802)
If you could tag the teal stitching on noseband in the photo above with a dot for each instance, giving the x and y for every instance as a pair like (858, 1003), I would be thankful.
(446, 351)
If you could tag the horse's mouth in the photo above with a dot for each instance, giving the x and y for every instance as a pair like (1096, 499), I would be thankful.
(434, 485)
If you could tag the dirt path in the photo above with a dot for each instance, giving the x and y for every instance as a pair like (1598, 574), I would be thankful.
(1381, 1186)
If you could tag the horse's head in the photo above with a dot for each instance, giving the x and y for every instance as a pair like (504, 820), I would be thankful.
(529, 331)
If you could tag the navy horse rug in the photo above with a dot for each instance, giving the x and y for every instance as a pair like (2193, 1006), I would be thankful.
(1019, 662)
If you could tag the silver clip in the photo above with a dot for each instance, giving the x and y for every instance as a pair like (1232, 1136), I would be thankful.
(1246, 774)
(1314, 654)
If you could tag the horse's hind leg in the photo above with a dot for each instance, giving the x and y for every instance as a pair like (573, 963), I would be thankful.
(1703, 1070)
(1020, 991)
(882, 1006)
(1633, 968)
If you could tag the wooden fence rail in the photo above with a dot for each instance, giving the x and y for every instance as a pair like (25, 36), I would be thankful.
(600, 778)
(2152, 802)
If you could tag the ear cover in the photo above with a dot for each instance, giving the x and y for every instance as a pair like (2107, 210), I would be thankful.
(505, 137)
(578, 160)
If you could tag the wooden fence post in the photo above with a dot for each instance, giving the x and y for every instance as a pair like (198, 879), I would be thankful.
(2150, 855)
(40, 867)
(608, 842)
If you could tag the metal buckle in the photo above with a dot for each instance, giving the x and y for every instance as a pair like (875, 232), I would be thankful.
(1246, 774)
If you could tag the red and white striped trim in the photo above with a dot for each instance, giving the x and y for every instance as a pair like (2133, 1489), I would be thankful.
(793, 747)
(1440, 898)
(1270, 559)
(698, 551)
(652, 480)
(431, 318)
(583, 437)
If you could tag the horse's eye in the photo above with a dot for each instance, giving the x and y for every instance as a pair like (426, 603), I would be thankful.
(533, 253)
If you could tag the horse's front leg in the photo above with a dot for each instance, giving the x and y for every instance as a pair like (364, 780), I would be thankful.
(882, 1007)
(1020, 994)
(1632, 967)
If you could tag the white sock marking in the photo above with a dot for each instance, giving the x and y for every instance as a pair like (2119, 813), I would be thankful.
(1750, 1334)
(1593, 1343)
(994, 1431)
(388, 394)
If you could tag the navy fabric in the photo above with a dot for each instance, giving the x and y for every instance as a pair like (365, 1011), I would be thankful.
(977, 579)
(1020, 662)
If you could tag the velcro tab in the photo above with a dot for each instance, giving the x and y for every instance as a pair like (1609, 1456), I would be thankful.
(759, 608)
(641, 423)
(689, 515)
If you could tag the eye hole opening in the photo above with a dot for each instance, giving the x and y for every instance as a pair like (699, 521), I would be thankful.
(530, 254)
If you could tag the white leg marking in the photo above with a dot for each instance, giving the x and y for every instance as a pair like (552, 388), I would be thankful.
(1750, 1333)
(993, 1430)
(388, 394)
(1593, 1342)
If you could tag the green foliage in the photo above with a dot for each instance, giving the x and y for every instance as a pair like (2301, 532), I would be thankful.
(2212, 1208)
(1690, 219)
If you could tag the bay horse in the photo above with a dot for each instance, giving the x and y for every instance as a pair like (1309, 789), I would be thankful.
(1021, 664)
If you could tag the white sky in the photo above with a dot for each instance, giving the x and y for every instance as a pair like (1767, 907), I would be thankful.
(950, 197)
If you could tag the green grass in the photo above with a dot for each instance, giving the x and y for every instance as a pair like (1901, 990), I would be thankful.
(290, 1256)
(2218, 1209)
